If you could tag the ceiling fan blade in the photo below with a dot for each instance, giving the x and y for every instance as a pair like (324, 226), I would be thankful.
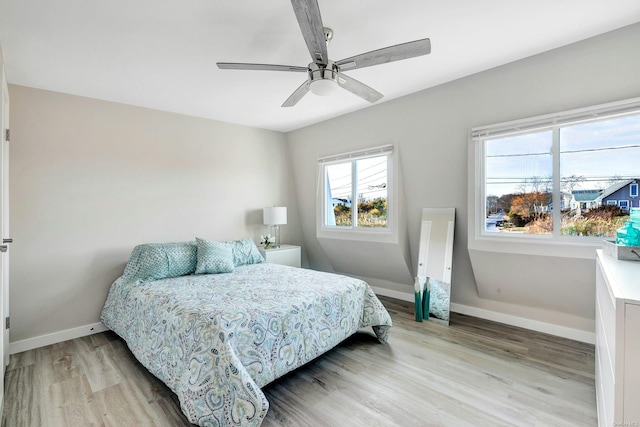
(359, 88)
(386, 54)
(308, 16)
(297, 95)
(268, 67)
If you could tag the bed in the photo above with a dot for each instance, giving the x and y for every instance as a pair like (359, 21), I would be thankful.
(216, 338)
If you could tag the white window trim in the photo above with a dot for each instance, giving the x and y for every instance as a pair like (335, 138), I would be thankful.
(625, 202)
(543, 245)
(612, 203)
(384, 235)
(631, 192)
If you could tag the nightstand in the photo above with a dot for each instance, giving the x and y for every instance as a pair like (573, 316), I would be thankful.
(285, 255)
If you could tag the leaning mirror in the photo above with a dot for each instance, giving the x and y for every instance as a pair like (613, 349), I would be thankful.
(435, 257)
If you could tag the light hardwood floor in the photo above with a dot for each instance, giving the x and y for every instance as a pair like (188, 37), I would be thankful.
(474, 372)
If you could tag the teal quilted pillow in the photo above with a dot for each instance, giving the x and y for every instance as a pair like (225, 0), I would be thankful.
(245, 252)
(154, 261)
(214, 257)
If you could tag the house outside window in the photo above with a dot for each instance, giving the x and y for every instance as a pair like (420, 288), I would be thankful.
(580, 161)
(621, 194)
(356, 190)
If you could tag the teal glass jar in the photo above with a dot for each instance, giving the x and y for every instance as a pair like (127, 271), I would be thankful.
(628, 235)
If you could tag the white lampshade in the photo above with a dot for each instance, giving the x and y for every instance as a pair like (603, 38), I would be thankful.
(324, 87)
(275, 215)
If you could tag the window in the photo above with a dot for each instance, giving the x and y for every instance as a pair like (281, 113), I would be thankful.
(633, 190)
(558, 175)
(356, 190)
(518, 180)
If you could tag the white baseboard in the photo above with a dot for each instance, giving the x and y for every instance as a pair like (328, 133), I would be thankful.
(507, 319)
(534, 325)
(56, 337)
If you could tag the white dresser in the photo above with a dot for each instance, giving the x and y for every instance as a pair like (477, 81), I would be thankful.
(285, 255)
(617, 341)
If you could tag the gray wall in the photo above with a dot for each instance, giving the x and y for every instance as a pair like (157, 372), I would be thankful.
(431, 129)
(91, 179)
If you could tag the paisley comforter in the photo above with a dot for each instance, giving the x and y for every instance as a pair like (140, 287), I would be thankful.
(215, 339)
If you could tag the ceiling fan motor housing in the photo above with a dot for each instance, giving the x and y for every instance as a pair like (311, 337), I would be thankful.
(323, 72)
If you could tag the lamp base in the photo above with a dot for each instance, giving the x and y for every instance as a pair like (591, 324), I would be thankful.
(276, 234)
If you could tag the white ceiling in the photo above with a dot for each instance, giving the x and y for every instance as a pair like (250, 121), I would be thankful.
(163, 54)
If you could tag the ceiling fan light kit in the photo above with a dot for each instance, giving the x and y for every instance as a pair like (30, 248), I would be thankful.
(324, 76)
(323, 80)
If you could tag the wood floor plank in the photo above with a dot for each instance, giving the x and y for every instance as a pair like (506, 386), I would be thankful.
(24, 395)
(20, 360)
(151, 387)
(473, 372)
(284, 401)
(58, 362)
(123, 404)
(99, 362)
(71, 403)
(168, 409)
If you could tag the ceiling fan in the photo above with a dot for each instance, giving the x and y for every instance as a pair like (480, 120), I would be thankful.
(324, 75)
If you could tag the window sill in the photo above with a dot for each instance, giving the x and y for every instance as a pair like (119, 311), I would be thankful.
(381, 236)
(580, 247)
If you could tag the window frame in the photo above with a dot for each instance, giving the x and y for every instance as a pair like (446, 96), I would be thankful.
(631, 187)
(553, 122)
(388, 234)
(624, 204)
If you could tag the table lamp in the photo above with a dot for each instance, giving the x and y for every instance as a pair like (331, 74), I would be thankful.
(275, 217)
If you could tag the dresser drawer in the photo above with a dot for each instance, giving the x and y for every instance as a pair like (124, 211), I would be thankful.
(631, 365)
(605, 375)
(605, 319)
(604, 390)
